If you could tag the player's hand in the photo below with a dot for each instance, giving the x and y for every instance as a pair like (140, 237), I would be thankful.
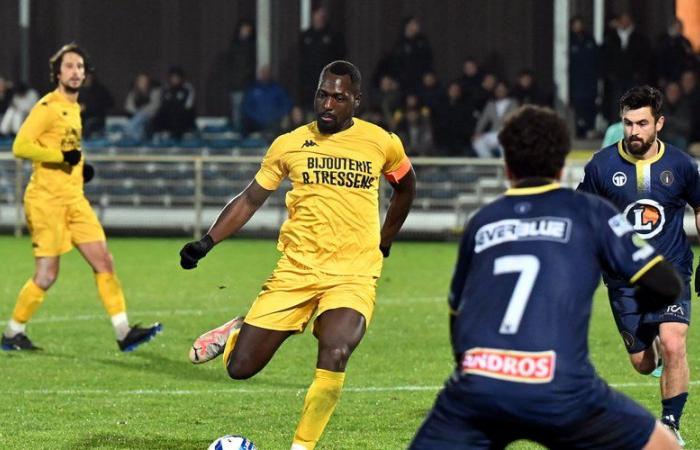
(193, 251)
(385, 249)
(88, 172)
(697, 279)
(72, 157)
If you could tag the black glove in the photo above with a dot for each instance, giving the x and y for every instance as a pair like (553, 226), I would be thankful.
(697, 279)
(385, 249)
(72, 157)
(193, 251)
(88, 173)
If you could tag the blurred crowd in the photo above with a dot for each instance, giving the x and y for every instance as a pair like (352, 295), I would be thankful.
(436, 114)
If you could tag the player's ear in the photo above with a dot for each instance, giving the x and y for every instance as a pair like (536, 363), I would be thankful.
(660, 123)
(356, 102)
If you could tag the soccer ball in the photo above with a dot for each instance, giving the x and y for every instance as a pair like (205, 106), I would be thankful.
(232, 442)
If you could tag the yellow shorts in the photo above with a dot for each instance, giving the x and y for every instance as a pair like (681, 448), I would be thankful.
(55, 228)
(294, 292)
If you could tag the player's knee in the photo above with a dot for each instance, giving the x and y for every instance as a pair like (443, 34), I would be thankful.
(643, 363)
(334, 357)
(673, 348)
(240, 368)
(45, 278)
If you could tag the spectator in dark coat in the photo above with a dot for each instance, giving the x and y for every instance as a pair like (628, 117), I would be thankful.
(678, 117)
(470, 79)
(319, 45)
(411, 56)
(454, 122)
(627, 59)
(691, 93)
(242, 59)
(431, 92)
(674, 54)
(583, 76)
(176, 114)
(526, 90)
(95, 102)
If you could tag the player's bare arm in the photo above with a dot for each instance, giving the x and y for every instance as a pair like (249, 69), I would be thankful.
(399, 205)
(231, 219)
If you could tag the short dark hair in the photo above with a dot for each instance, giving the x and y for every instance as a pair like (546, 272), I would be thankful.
(535, 141)
(640, 97)
(341, 68)
(57, 58)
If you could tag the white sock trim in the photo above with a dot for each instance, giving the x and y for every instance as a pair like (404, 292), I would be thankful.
(298, 447)
(121, 325)
(14, 328)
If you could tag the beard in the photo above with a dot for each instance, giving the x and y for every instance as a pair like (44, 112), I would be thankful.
(327, 127)
(70, 89)
(637, 146)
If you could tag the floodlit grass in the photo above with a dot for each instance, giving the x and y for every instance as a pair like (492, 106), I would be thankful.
(82, 393)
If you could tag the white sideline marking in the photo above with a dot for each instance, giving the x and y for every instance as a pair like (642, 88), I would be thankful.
(175, 392)
(201, 312)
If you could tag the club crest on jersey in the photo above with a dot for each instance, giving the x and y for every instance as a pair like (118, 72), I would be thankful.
(510, 365)
(556, 229)
(646, 216)
(666, 177)
(619, 179)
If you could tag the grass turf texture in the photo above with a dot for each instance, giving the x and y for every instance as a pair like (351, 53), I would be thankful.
(82, 393)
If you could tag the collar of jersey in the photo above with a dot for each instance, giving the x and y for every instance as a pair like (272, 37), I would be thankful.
(533, 190)
(631, 159)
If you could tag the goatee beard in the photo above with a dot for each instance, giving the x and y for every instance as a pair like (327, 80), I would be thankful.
(642, 149)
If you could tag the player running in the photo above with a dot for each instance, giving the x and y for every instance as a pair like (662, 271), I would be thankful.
(331, 244)
(651, 182)
(521, 297)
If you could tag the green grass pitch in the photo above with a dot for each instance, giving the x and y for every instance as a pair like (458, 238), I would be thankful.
(82, 393)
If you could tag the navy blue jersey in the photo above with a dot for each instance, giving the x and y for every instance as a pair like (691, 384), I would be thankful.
(522, 291)
(651, 193)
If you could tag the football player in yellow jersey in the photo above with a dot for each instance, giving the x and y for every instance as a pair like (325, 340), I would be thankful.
(331, 244)
(58, 214)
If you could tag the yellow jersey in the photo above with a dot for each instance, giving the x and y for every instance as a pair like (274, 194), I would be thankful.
(52, 127)
(333, 206)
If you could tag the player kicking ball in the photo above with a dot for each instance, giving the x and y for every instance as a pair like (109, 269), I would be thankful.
(331, 244)
(520, 301)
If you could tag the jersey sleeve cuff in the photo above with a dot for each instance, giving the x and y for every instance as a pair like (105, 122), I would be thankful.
(396, 175)
(265, 182)
(646, 268)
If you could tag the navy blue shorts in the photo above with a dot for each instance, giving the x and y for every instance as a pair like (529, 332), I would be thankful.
(638, 327)
(459, 422)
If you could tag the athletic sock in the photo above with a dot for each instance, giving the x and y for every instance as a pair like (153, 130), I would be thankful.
(28, 301)
(673, 408)
(319, 404)
(230, 343)
(110, 291)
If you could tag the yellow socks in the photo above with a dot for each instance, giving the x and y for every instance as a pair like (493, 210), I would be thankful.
(110, 290)
(28, 301)
(319, 404)
(230, 343)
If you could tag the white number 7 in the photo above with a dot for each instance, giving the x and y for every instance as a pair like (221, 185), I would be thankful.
(528, 266)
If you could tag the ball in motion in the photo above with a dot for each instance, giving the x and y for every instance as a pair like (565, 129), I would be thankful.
(232, 442)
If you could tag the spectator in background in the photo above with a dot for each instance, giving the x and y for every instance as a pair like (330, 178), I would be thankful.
(431, 92)
(414, 129)
(526, 91)
(264, 104)
(626, 61)
(319, 45)
(583, 76)
(678, 114)
(454, 121)
(295, 119)
(5, 95)
(674, 54)
(142, 103)
(388, 99)
(470, 80)
(242, 62)
(22, 101)
(412, 56)
(490, 122)
(176, 114)
(95, 101)
(485, 93)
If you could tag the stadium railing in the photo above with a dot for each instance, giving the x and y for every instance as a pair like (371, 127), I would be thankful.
(141, 193)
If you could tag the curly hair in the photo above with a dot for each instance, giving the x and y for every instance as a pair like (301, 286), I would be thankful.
(56, 60)
(640, 97)
(535, 141)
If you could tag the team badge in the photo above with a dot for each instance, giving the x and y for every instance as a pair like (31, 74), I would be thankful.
(619, 179)
(646, 216)
(522, 207)
(666, 177)
(627, 338)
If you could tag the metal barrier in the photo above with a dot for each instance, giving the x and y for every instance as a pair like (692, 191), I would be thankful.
(183, 194)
